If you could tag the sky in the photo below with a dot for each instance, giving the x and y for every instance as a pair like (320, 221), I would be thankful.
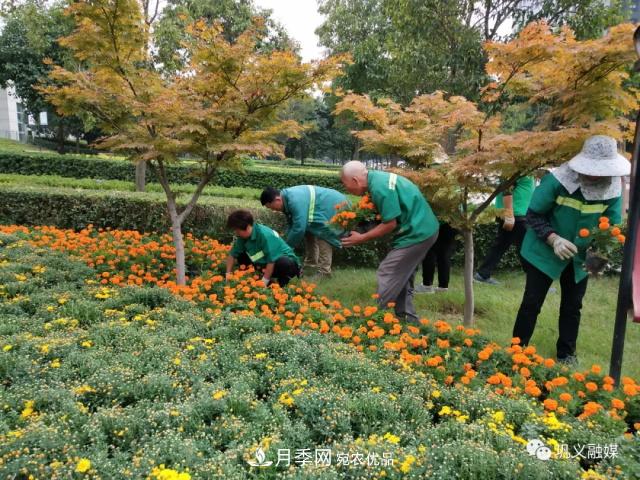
(300, 18)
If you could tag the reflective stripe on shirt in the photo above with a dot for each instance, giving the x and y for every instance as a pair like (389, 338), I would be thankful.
(393, 178)
(256, 256)
(312, 202)
(581, 207)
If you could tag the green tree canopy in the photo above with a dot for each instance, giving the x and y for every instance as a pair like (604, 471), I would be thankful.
(235, 16)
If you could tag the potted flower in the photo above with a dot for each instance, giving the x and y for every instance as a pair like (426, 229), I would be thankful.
(604, 240)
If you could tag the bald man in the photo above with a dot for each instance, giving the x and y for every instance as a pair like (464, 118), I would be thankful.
(404, 213)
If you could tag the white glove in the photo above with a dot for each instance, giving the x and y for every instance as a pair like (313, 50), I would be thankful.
(509, 221)
(266, 281)
(562, 247)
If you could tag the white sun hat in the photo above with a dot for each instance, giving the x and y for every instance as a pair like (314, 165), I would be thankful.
(600, 158)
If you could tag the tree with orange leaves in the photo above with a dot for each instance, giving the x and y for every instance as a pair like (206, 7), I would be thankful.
(462, 155)
(223, 103)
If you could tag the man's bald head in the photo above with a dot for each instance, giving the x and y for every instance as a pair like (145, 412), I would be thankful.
(354, 177)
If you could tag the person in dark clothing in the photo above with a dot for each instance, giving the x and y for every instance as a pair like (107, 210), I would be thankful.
(438, 256)
(511, 228)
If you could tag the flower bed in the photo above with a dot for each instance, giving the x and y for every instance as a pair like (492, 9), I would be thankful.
(132, 378)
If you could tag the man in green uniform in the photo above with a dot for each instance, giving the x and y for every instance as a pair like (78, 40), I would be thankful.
(511, 229)
(405, 213)
(258, 245)
(308, 210)
(572, 197)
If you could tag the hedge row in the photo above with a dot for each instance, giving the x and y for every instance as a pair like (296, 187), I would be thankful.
(145, 212)
(70, 208)
(79, 167)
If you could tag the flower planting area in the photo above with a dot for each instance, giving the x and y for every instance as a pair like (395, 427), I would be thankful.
(108, 369)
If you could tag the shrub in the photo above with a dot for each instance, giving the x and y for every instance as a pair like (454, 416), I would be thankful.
(145, 212)
(82, 167)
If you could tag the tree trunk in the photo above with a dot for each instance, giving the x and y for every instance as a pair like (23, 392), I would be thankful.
(468, 277)
(178, 241)
(77, 144)
(60, 138)
(141, 170)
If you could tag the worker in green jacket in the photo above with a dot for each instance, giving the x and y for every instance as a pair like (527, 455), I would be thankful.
(405, 214)
(308, 210)
(572, 197)
(258, 245)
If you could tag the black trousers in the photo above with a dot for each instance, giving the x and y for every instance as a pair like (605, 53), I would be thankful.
(284, 269)
(535, 292)
(504, 239)
(440, 255)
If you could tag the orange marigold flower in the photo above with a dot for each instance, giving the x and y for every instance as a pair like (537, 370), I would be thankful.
(603, 220)
(617, 403)
(584, 232)
(566, 397)
(550, 404)
(591, 386)
(621, 238)
(578, 377)
(596, 369)
(615, 231)
(603, 226)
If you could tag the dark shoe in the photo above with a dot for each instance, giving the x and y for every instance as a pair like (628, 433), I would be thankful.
(569, 361)
(489, 281)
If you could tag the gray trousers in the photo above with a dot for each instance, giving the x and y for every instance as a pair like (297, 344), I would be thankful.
(395, 276)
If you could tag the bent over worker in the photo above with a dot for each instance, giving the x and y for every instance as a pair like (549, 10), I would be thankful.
(308, 210)
(572, 197)
(405, 213)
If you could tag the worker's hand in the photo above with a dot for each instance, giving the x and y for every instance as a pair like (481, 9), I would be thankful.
(354, 238)
(509, 221)
(562, 247)
(266, 281)
(228, 276)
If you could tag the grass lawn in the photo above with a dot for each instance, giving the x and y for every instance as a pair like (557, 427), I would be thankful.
(496, 308)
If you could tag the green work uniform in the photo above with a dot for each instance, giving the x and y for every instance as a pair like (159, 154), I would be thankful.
(567, 213)
(396, 197)
(309, 209)
(522, 193)
(264, 246)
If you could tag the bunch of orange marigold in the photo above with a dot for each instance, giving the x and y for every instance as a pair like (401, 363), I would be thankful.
(350, 217)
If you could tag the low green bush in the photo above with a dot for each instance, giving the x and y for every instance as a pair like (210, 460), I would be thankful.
(124, 186)
(76, 166)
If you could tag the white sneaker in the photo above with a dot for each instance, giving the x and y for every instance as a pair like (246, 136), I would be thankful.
(442, 289)
(424, 289)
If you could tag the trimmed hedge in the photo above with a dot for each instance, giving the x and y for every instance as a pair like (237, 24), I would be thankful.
(145, 212)
(81, 167)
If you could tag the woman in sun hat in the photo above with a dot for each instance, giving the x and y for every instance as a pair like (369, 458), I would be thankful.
(572, 197)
